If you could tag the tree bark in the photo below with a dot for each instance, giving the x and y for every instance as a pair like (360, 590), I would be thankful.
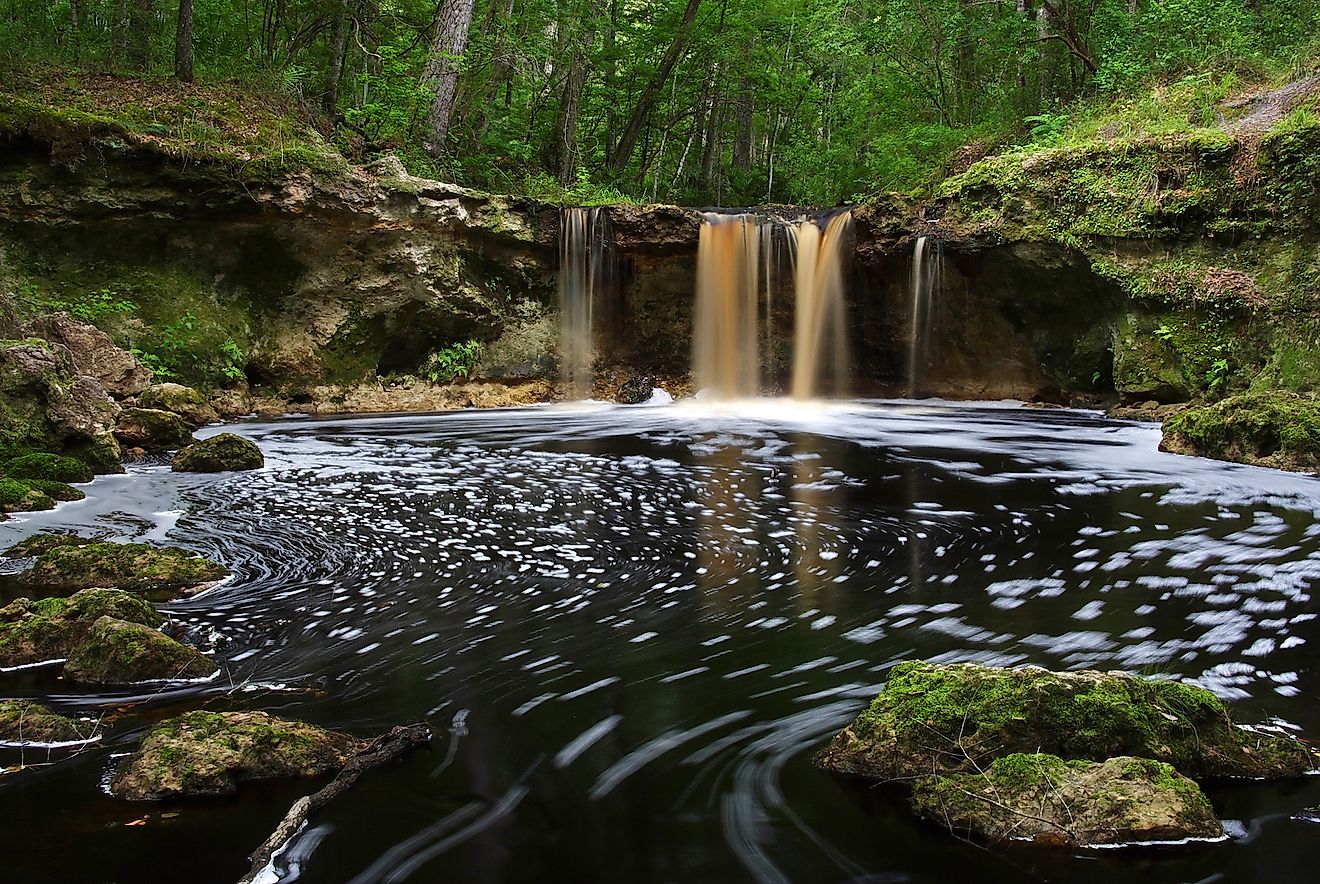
(623, 151)
(183, 39)
(451, 33)
(141, 13)
(566, 146)
(330, 97)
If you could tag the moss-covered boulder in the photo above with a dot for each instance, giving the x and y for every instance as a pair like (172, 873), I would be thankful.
(186, 402)
(1078, 803)
(955, 718)
(1277, 429)
(40, 543)
(23, 721)
(152, 430)
(160, 573)
(49, 467)
(211, 753)
(56, 490)
(120, 652)
(218, 454)
(36, 631)
(20, 497)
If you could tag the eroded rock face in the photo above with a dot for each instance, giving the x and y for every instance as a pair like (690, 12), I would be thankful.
(1078, 803)
(50, 407)
(220, 453)
(117, 651)
(956, 717)
(159, 573)
(212, 753)
(119, 372)
(23, 721)
(152, 430)
(186, 402)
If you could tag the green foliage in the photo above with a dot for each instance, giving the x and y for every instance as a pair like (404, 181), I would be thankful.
(234, 360)
(452, 362)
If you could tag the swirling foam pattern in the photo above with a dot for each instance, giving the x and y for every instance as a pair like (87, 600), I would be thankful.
(631, 627)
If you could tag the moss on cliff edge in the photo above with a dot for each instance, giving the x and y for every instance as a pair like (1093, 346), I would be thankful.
(1273, 429)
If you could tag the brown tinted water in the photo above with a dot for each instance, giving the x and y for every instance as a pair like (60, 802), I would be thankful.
(630, 628)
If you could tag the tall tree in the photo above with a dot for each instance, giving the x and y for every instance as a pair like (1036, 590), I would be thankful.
(453, 17)
(183, 40)
(335, 67)
(140, 26)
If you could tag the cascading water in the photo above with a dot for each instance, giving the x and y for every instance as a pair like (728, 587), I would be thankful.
(927, 268)
(583, 243)
(726, 359)
(820, 336)
(739, 260)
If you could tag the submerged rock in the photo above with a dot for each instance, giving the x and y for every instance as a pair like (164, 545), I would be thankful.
(23, 721)
(152, 429)
(35, 631)
(1046, 799)
(121, 652)
(211, 753)
(635, 391)
(1280, 430)
(186, 402)
(218, 454)
(161, 573)
(933, 718)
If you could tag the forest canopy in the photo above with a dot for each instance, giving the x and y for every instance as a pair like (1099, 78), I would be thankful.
(691, 101)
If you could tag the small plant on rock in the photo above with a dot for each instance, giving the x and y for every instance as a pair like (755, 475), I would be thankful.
(452, 362)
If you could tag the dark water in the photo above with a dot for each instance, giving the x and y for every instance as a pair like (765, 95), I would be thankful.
(630, 628)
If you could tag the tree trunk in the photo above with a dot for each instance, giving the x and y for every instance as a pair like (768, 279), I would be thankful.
(330, 98)
(742, 126)
(183, 38)
(141, 13)
(451, 33)
(623, 151)
(566, 144)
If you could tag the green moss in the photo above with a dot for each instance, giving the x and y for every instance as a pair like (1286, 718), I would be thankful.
(159, 573)
(17, 496)
(932, 717)
(152, 429)
(115, 651)
(52, 467)
(26, 721)
(1271, 429)
(219, 453)
(50, 628)
(56, 490)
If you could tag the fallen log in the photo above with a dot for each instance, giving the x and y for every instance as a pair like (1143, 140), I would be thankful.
(387, 747)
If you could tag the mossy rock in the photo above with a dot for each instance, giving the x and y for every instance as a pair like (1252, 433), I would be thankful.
(23, 721)
(35, 631)
(186, 402)
(56, 490)
(101, 453)
(17, 496)
(1078, 803)
(43, 542)
(152, 429)
(119, 652)
(218, 454)
(211, 753)
(159, 573)
(48, 467)
(1277, 429)
(958, 717)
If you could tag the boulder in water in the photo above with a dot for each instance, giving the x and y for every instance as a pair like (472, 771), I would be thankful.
(1045, 799)
(24, 721)
(161, 573)
(121, 652)
(152, 429)
(43, 465)
(217, 454)
(959, 717)
(211, 753)
(1276, 429)
(186, 402)
(20, 497)
(635, 391)
(38, 630)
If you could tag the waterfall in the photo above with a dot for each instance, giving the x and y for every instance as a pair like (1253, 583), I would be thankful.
(739, 260)
(726, 359)
(583, 240)
(927, 265)
(820, 334)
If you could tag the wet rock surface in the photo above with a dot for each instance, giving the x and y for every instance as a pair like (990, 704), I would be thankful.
(24, 721)
(152, 430)
(212, 753)
(217, 454)
(1045, 799)
(159, 573)
(635, 391)
(122, 652)
(40, 630)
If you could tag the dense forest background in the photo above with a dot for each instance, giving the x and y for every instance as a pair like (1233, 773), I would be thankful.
(698, 102)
